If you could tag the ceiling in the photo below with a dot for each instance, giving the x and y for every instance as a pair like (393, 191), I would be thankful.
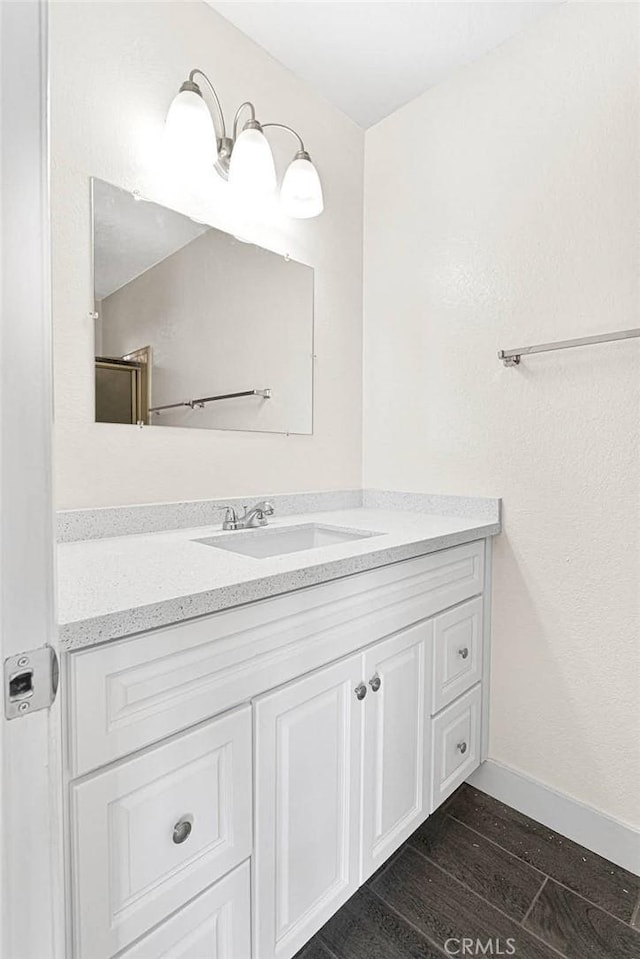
(370, 58)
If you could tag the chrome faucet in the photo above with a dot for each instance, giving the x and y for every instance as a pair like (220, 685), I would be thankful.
(256, 516)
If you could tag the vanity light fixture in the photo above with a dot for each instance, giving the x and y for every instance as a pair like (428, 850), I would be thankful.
(196, 135)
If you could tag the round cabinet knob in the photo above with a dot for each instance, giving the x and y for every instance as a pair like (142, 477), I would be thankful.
(462, 747)
(464, 652)
(361, 691)
(375, 682)
(182, 831)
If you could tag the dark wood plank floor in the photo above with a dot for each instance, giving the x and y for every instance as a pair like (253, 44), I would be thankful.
(479, 871)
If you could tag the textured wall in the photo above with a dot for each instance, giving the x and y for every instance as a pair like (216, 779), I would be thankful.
(114, 70)
(502, 208)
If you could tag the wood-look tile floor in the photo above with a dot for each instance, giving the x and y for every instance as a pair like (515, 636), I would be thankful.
(479, 871)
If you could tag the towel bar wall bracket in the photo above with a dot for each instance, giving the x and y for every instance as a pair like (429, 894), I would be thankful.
(509, 360)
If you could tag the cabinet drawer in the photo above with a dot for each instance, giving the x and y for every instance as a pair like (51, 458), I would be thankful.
(456, 744)
(150, 834)
(216, 925)
(128, 694)
(457, 652)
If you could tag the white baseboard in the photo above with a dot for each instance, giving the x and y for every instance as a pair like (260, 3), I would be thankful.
(595, 830)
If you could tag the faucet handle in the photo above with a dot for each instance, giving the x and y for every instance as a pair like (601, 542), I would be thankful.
(230, 517)
(265, 507)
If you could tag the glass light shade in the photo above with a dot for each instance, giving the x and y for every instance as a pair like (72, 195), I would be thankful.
(301, 192)
(190, 136)
(252, 171)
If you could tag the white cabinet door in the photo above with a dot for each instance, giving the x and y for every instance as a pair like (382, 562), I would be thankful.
(216, 925)
(396, 767)
(307, 805)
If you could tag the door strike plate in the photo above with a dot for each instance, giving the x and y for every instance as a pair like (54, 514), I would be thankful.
(30, 681)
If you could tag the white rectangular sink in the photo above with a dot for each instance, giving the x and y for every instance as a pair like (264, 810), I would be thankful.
(262, 543)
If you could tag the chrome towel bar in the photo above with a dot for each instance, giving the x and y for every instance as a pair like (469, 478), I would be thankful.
(513, 357)
(203, 400)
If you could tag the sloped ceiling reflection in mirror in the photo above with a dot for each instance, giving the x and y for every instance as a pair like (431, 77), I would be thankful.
(130, 236)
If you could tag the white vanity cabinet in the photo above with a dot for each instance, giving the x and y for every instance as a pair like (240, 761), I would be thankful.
(232, 780)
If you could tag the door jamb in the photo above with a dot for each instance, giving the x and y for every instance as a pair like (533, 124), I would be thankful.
(31, 844)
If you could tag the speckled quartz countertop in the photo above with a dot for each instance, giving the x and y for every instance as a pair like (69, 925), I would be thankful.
(113, 587)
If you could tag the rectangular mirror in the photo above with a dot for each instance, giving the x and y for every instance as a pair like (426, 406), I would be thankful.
(194, 327)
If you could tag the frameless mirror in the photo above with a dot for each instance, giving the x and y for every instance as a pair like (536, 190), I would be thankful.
(194, 327)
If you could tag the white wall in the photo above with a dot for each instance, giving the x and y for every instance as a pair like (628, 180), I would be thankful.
(114, 70)
(501, 209)
(242, 319)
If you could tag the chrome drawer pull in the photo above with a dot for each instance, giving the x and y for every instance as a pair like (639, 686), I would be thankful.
(375, 682)
(462, 747)
(361, 691)
(182, 830)
(464, 652)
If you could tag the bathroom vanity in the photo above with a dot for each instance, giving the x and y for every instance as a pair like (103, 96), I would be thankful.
(239, 759)
(254, 718)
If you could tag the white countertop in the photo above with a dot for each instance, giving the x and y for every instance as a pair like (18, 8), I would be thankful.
(113, 587)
